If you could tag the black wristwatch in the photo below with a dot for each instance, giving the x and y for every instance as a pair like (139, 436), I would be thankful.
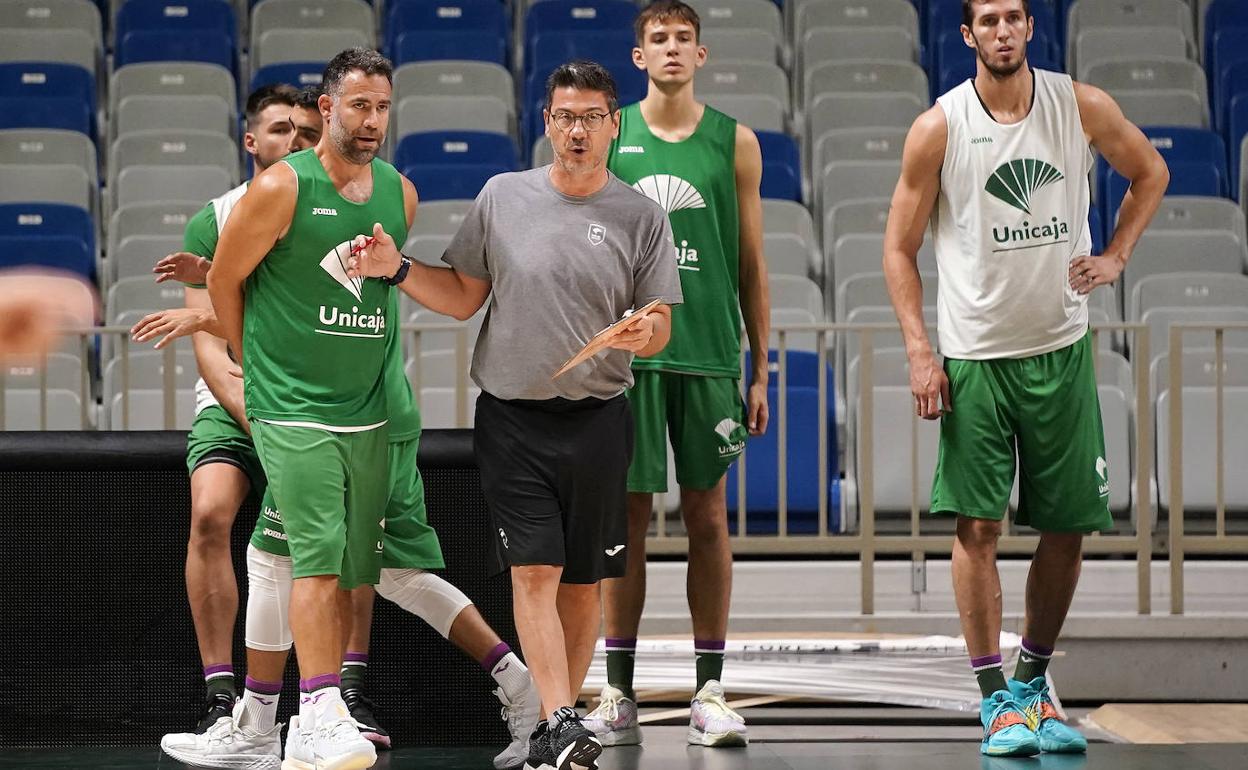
(405, 264)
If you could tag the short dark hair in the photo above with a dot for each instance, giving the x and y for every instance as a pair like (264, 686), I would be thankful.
(583, 75)
(666, 10)
(267, 96)
(968, 10)
(366, 60)
(307, 97)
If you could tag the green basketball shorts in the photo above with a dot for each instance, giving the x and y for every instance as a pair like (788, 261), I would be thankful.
(706, 417)
(216, 438)
(331, 489)
(1047, 410)
(409, 541)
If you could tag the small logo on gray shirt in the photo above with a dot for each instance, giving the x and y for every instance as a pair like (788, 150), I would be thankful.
(596, 233)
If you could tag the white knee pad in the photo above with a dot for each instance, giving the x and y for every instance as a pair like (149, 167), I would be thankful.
(269, 579)
(425, 595)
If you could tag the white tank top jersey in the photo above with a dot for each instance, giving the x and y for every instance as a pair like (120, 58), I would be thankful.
(1011, 215)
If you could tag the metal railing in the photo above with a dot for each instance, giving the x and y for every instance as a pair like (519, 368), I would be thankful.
(864, 540)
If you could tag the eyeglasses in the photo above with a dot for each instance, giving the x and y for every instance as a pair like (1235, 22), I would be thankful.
(592, 121)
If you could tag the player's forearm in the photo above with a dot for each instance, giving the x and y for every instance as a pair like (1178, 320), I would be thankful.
(1138, 208)
(905, 288)
(660, 336)
(214, 366)
(226, 293)
(756, 311)
(441, 290)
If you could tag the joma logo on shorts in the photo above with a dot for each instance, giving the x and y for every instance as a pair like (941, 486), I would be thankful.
(273, 533)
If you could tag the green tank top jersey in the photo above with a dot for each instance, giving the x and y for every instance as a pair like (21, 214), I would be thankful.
(694, 180)
(315, 340)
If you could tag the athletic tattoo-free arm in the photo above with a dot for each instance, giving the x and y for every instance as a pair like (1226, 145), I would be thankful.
(753, 288)
(214, 362)
(908, 216)
(261, 217)
(1129, 152)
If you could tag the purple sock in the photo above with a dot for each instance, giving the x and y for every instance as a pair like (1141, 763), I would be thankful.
(495, 655)
(319, 682)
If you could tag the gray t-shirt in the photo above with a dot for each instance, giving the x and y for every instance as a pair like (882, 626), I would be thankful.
(563, 268)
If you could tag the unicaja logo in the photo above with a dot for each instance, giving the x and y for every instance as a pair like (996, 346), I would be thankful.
(1016, 181)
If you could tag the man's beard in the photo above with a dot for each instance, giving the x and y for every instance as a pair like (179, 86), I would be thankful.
(343, 142)
(998, 71)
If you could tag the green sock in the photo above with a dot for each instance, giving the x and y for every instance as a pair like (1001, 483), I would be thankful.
(710, 660)
(354, 667)
(621, 653)
(988, 673)
(1033, 660)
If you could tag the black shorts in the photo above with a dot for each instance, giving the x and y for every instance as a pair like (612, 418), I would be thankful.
(554, 474)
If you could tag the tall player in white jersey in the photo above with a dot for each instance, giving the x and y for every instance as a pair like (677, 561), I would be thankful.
(1000, 168)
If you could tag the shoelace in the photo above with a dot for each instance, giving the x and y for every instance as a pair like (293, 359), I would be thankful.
(513, 715)
(1034, 707)
(718, 702)
(221, 732)
(343, 730)
(608, 710)
(1003, 707)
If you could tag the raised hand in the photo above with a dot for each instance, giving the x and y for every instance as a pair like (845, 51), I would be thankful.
(375, 257)
(182, 266)
(172, 323)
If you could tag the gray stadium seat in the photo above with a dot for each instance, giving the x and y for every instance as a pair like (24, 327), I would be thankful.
(851, 343)
(443, 339)
(147, 370)
(1186, 290)
(438, 407)
(147, 410)
(70, 46)
(1147, 73)
(172, 113)
(440, 217)
(806, 15)
(62, 371)
(1191, 212)
(761, 112)
(1199, 466)
(793, 340)
(320, 15)
(158, 218)
(171, 78)
(740, 14)
(186, 147)
(136, 255)
(1160, 319)
(1199, 368)
(1136, 14)
(849, 179)
(454, 78)
(1169, 251)
(22, 410)
(867, 77)
(859, 253)
(1163, 107)
(290, 45)
(543, 153)
(48, 184)
(870, 289)
(740, 45)
(743, 78)
(788, 254)
(797, 292)
(858, 215)
(873, 43)
(844, 111)
(1102, 43)
(856, 144)
(894, 489)
(139, 184)
(81, 15)
(142, 295)
(38, 146)
(428, 248)
(450, 113)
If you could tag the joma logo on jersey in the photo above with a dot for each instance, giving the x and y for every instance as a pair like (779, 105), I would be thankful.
(687, 258)
(320, 212)
(631, 148)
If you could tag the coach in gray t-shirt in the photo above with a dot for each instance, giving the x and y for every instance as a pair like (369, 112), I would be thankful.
(562, 268)
(566, 250)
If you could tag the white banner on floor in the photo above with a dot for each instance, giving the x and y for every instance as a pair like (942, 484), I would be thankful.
(927, 671)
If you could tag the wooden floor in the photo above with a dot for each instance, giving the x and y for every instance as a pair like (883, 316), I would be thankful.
(1175, 722)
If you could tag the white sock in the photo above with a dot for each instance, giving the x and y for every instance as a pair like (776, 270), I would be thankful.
(511, 675)
(259, 711)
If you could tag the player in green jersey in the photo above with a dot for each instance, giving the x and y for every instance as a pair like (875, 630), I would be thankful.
(704, 168)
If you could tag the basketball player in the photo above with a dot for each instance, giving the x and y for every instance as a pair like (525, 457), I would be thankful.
(704, 168)
(1000, 168)
(565, 250)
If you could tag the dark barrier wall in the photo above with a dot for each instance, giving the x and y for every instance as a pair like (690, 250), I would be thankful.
(98, 642)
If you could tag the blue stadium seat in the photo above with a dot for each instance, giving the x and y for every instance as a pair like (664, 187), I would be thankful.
(573, 17)
(1186, 178)
(49, 235)
(1229, 47)
(176, 30)
(1234, 82)
(1222, 15)
(456, 147)
(1236, 127)
(801, 367)
(1192, 147)
(782, 169)
(802, 448)
(47, 95)
(300, 74)
(425, 30)
(1097, 230)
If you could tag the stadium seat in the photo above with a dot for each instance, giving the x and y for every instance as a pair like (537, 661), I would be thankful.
(27, 146)
(64, 46)
(1167, 251)
(22, 410)
(136, 256)
(46, 95)
(428, 248)
(806, 15)
(355, 15)
(861, 253)
(296, 73)
(1147, 73)
(198, 112)
(741, 45)
(1160, 319)
(1199, 367)
(1186, 289)
(1104, 43)
(848, 179)
(741, 14)
(1177, 145)
(455, 78)
(435, 369)
(781, 317)
(176, 30)
(743, 78)
(1186, 178)
(438, 405)
(871, 290)
(418, 114)
(761, 112)
(171, 78)
(140, 184)
(796, 292)
(826, 44)
(788, 255)
(1180, 212)
(782, 170)
(41, 15)
(892, 414)
(147, 410)
(149, 220)
(1163, 107)
(59, 370)
(857, 215)
(569, 18)
(50, 183)
(454, 164)
(445, 338)
(856, 144)
(865, 77)
(440, 217)
(1199, 464)
(55, 235)
(186, 147)
(280, 46)
(420, 30)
